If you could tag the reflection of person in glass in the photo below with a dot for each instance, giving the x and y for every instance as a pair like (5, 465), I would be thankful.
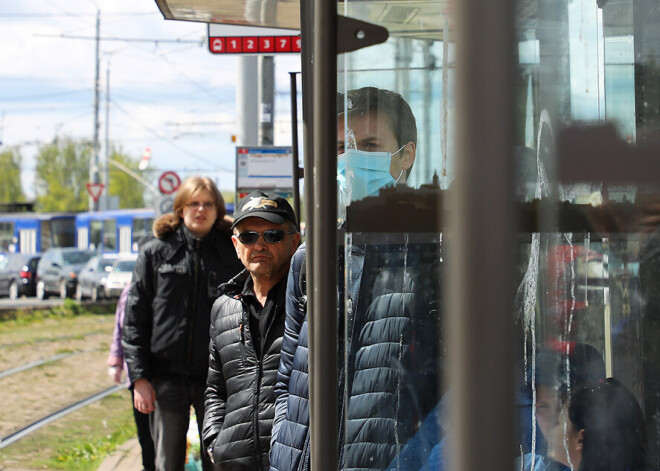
(602, 428)
(559, 369)
(391, 332)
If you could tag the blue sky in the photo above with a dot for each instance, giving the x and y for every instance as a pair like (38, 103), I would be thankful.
(175, 98)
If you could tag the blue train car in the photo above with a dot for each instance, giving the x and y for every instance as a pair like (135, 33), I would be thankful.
(115, 231)
(36, 232)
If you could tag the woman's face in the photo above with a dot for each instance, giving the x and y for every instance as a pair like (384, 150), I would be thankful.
(567, 441)
(200, 213)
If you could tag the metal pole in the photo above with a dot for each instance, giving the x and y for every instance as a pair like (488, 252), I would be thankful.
(266, 100)
(294, 145)
(106, 175)
(247, 113)
(94, 164)
(323, 299)
(480, 321)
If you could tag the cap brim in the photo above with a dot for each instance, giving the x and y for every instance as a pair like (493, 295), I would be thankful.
(268, 216)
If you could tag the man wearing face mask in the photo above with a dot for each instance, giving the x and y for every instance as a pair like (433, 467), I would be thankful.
(376, 147)
(376, 142)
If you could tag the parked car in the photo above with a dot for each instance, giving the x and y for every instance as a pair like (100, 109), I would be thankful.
(119, 276)
(91, 278)
(57, 271)
(17, 275)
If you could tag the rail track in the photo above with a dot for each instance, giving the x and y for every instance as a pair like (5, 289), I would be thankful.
(36, 425)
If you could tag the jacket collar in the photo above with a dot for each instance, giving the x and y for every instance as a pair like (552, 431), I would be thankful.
(234, 287)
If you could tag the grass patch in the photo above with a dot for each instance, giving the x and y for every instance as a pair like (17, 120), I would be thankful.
(79, 441)
(69, 308)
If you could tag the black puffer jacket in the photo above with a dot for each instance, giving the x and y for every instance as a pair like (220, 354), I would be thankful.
(174, 285)
(240, 404)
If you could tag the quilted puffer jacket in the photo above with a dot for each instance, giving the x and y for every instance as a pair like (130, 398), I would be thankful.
(239, 401)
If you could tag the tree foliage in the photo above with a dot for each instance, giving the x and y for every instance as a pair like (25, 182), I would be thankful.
(62, 173)
(11, 190)
(130, 192)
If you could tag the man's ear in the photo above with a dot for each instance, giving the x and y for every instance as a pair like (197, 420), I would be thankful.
(408, 155)
(234, 239)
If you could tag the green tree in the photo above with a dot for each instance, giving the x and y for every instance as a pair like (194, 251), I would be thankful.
(11, 190)
(130, 192)
(62, 173)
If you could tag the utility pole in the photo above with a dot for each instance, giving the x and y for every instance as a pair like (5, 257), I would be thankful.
(106, 175)
(94, 163)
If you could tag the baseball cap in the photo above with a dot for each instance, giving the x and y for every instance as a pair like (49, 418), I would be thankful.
(269, 206)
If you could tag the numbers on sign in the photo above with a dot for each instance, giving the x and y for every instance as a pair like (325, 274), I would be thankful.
(297, 43)
(283, 42)
(267, 43)
(250, 44)
(233, 43)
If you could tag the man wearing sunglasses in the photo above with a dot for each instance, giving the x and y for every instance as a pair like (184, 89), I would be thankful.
(247, 325)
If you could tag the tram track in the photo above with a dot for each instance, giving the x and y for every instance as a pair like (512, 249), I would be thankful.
(40, 362)
(54, 339)
(36, 425)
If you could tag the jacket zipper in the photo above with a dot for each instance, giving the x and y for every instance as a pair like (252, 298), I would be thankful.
(257, 444)
(193, 305)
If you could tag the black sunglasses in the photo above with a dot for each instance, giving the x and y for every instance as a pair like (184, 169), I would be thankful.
(271, 236)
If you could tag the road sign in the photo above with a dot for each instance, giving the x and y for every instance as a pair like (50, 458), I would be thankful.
(95, 190)
(146, 155)
(268, 168)
(164, 205)
(168, 183)
(235, 39)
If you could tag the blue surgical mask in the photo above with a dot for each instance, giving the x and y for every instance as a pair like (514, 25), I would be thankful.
(361, 173)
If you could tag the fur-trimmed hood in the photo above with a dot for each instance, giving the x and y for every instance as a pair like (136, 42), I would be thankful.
(169, 223)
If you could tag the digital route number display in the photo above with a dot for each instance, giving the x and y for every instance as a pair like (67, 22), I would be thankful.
(254, 44)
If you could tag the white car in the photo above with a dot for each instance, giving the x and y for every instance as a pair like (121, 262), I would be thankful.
(119, 276)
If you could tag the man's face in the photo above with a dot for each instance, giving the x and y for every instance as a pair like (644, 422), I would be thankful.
(373, 133)
(200, 213)
(263, 259)
(547, 409)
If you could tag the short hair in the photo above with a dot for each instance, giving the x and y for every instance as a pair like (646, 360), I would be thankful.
(189, 188)
(386, 102)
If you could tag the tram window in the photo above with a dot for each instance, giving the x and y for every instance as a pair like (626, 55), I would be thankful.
(6, 236)
(110, 234)
(141, 228)
(95, 234)
(63, 231)
(46, 235)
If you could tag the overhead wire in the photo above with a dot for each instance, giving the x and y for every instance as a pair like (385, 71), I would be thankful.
(168, 140)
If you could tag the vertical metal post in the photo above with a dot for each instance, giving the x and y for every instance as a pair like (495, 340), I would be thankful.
(94, 164)
(323, 295)
(295, 170)
(480, 321)
(106, 175)
(266, 100)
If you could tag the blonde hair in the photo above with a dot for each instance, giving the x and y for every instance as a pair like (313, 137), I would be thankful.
(189, 188)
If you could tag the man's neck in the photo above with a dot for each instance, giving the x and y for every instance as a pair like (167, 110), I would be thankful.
(262, 287)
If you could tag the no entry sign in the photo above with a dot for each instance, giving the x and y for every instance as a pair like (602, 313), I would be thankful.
(168, 183)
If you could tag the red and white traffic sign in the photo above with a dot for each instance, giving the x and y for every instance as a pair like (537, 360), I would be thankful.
(95, 190)
(168, 183)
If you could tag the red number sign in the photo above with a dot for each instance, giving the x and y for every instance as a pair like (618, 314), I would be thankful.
(254, 44)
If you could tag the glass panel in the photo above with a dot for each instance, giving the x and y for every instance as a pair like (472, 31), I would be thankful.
(63, 232)
(141, 228)
(583, 306)
(395, 153)
(586, 308)
(6, 236)
(110, 235)
(95, 234)
(46, 236)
